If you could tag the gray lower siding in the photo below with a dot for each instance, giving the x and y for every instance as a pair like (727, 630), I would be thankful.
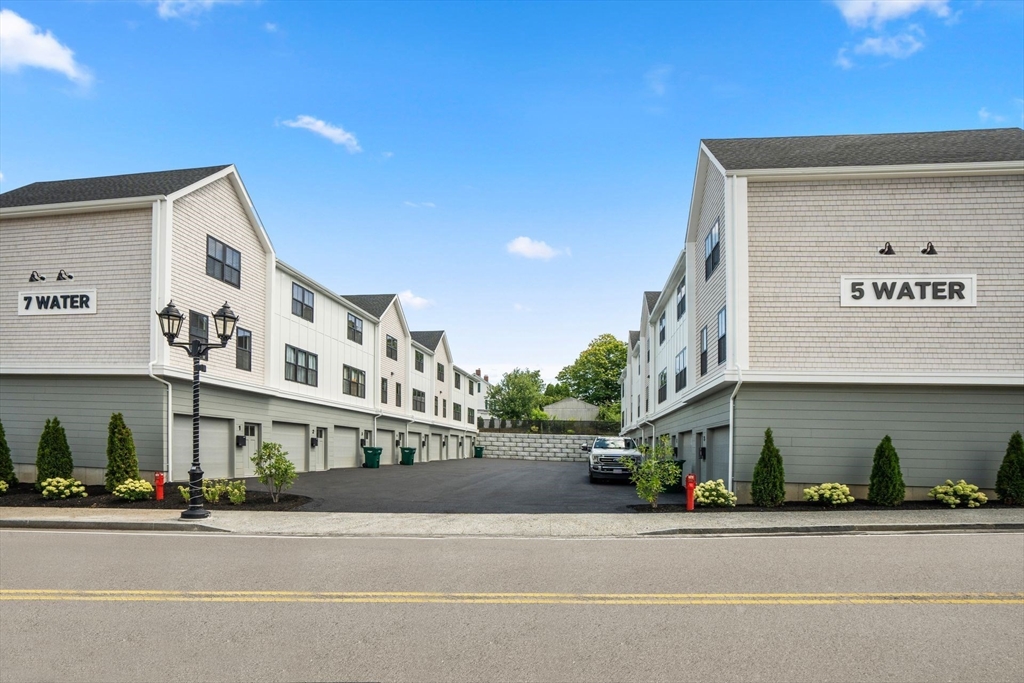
(829, 433)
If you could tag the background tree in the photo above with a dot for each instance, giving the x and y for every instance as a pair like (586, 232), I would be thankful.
(53, 457)
(768, 486)
(1010, 479)
(552, 393)
(610, 412)
(6, 465)
(517, 394)
(886, 485)
(122, 461)
(594, 376)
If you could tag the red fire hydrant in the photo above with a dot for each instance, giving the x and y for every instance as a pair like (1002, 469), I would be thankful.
(691, 484)
(158, 484)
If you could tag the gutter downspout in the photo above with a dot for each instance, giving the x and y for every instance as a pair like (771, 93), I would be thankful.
(653, 428)
(732, 426)
(170, 422)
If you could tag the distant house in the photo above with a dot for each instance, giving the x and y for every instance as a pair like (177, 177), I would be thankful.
(572, 409)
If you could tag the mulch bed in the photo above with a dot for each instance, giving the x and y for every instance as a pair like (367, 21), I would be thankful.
(25, 495)
(807, 506)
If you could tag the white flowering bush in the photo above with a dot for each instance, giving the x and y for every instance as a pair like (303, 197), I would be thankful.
(834, 494)
(3, 487)
(57, 488)
(134, 489)
(959, 493)
(714, 494)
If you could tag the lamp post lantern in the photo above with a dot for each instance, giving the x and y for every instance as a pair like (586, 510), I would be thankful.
(171, 320)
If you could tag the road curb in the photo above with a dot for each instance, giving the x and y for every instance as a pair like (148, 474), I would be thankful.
(835, 529)
(99, 525)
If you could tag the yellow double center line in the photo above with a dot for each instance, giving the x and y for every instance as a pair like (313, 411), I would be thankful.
(518, 598)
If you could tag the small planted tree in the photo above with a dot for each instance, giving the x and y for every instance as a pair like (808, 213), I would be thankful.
(886, 486)
(53, 457)
(1010, 479)
(655, 471)
(122, 461)
(768, 487)
(273, 468)
(6, 465)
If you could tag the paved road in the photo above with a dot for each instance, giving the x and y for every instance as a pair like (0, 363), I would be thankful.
(235, 608)
(485, 485)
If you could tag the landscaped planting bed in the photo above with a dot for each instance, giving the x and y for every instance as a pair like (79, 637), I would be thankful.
(805, 506)
(25, 495)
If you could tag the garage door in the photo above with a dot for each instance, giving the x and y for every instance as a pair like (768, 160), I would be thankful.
(416, 441)
(386, 442)
(345, 449)
(292, 438)
(215, 446)
(718, 453)
(435, 446)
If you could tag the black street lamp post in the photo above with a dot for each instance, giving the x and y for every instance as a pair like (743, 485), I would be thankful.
(171, 320)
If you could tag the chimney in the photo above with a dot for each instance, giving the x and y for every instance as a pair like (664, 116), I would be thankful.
(477, 373)
(486, 378)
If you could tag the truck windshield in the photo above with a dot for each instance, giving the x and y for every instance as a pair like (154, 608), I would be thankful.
(614, 443)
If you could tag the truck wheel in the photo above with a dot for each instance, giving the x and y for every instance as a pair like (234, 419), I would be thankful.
(593, 479)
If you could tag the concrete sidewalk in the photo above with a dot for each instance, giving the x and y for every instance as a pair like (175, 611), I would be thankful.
(362, 524)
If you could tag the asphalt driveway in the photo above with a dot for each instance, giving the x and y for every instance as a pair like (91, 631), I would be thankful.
(474, 485)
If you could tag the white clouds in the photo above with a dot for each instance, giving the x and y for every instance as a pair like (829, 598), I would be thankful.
(520, 308)
(184, 9)
(534, 249)
(1, 177)
(24, 44)
(335, 134)
(842, 61)
(270, 27)
(876, 13)
(898, 47)
(420, 205)
(387, 155)
(410, 300)
(657, 79)
(988, 117)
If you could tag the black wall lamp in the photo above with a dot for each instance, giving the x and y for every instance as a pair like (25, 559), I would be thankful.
(65, 275)
(36, 277)
(929, 250)
(887, 250)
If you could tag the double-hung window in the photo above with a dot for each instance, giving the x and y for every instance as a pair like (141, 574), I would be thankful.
(353, 382)
(419, 361)
(391, 347)
(198, 329)
(711, 251)
(383, 390)
(419, 401)
(355, 329)
(458, 380)
(721, 336)
(662, 386)
(435, 406)
(398, 395)
(444, 407)
(302, 302)
(681, 370)
(681, 299)
(457, 412)
(704, 351)
(243, 349)
(300, 366)
(223, 262)
(470, 415)
(661, 329)
(440, 372)
(471, 383)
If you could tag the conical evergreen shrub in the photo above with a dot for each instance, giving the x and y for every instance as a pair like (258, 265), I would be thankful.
(768, 488)
(886, 486)
(53, 458)
(6, 465)
(122, 461)
(1010, 479)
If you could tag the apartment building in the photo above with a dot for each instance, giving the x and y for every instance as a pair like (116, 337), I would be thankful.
(320, 373)
(838, 289)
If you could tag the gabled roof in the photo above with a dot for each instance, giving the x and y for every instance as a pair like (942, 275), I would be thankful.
(159, 183)
(889, 149)
(651, 298)
(374, 304)
(634, 338)
(429, 340)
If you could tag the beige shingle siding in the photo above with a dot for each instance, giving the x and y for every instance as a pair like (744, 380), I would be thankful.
(215, 210)
(109, 251)
(804, 236)
(391, 370)
(709, 296)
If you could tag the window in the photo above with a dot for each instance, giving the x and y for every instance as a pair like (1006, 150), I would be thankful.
(419, 361)
(383, 390)
(300, 366)
(458, 380)
(223, 262)
(704, 351)
(391, 349)
(711, 252)
(681, 299)
(243, 349)
(638, 405)
(647, 400)
(198, 327)
(471, 383)
(662, 386)
(398, 395)
(470, 416)
(457, 412)
(681, 370)
(444, 407)
(419, 401)
(302, 302)
(440, 372)
(661, 329)
(353, 382)
(721, 336)
(435, 406)
(355, 329)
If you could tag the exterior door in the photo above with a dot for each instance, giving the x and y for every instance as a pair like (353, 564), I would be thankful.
(345, 448)
(718, 453)
(322, 458)
(252, 447)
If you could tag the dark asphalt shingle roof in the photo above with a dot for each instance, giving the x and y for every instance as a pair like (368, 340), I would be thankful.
(374, 304)
(651, 298)
(890, 149)
(428, 339)
(634, 338)
(106, 187)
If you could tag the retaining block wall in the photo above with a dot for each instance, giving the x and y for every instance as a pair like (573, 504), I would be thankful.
(562, 447)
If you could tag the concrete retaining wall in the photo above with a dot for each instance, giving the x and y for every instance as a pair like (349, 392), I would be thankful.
(563, 447)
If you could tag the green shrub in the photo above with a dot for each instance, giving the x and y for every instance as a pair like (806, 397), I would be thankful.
(53, 457)
(183, 490)
(213, 489)
(768, 487)
(1010, 479)
(654, 472)
(134, 489)
(886, 486)
(274, 469)
(236, 492)
(122, 462)
(961, 492)
(56, 488)
(834, 494)
(714, 494)
(6, 465)
(3, 487)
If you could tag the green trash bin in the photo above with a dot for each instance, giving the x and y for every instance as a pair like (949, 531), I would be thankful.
(371, 456)
(407, 455)
(478, 451)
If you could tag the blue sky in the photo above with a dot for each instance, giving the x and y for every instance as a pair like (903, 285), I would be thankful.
(521, 171)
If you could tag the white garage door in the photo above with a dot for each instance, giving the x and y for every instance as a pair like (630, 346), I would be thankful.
(435, 447)
(292, 438)
(215, 446)
(386, 442)
(345, 449)
(416, 441)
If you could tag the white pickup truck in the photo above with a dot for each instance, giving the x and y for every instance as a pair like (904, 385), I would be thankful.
(605, 454)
